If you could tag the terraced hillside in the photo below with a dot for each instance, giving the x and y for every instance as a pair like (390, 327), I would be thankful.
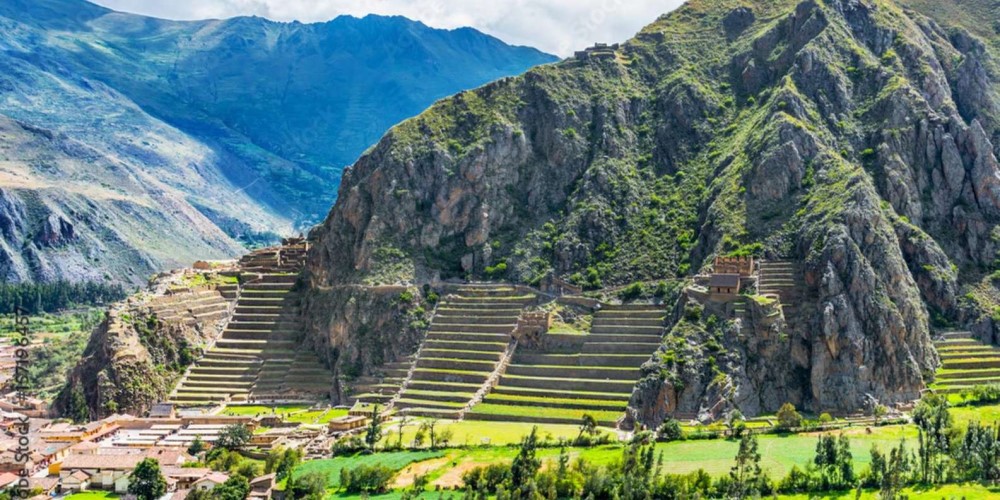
(784, 279)
(965, 363)
(590, 374)
(256, 358)
(190, 308)
(467, 342)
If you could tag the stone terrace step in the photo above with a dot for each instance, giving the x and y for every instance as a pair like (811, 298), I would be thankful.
(456, 364)
(459, 376)
(437, 385)
(562, 393)
(496, 346)
(569, 384)
(468, 319)
(492, 356)
(580, 372)
(469, 337)
(467, 328)
(647, 348)
(458, 311)
(527, 358)
(608, 320)
(626, 314)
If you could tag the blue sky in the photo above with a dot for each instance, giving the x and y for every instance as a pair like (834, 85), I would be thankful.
(555, 26)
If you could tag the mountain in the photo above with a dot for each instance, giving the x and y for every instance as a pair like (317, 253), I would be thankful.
(132, 144)
(853, 141)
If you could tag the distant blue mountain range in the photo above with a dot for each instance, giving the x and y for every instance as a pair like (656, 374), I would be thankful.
(246, 123)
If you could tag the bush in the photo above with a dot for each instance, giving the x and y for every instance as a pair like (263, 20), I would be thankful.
(310, 485)
(788, 417)
(366, 479)
(234, 437)
(632, 292)
(486, 478)
(670, 430)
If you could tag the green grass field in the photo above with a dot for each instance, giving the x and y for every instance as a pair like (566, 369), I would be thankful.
(951, 491)
(253, 410)
(475, 432)
(983, 414)
(541, 411)
(331, 467)
(92, 495)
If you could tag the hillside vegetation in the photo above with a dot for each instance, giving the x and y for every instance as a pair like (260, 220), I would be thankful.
(852, 138)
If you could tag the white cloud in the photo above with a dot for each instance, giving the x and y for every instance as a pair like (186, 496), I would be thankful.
(556, 26)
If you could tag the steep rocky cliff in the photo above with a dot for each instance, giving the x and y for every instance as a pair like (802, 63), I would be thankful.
(135, 357)
(358, 329)
(853, 137)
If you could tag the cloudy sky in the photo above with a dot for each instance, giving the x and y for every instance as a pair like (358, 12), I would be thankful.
(556, 26)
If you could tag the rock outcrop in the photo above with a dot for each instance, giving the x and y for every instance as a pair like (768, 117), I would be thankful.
(856, 138)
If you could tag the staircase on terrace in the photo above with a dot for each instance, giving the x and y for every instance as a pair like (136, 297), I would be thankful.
(784, 278)
(965, 363)
(256, 357)
(593, 373)
(470, 331)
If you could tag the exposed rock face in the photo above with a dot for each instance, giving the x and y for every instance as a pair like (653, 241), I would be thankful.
(356, 330)
(131, 362)
(854, 137)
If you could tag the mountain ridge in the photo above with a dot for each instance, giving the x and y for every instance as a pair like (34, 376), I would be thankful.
(836, 135)
(260, 115)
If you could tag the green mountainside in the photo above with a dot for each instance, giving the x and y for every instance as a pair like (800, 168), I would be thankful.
(131, 144)
(852, 138)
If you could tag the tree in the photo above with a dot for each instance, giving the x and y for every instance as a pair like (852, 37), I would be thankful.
(934, 424)
(835, 462)
(403, 420)
(234, 437)
(374, 434)
(76, 408)
(366, 479)
(525, 464)
(248, 469)
(197, 446)
(879, 412)
(310, 486)
(427, 428)
(894, 473)
(736, 423)
(281, 461)
(235, 488)
(746, 475)
(146, 481)
(788, 417)
(670, 430)
(588, 426)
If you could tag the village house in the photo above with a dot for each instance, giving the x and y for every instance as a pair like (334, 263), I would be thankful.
(347, 423)
(724, 284)
(261, 487)
(109, 469)
(185, 477)
(32, 407)
(210, 481)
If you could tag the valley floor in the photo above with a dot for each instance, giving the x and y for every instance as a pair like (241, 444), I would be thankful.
(478, 444)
